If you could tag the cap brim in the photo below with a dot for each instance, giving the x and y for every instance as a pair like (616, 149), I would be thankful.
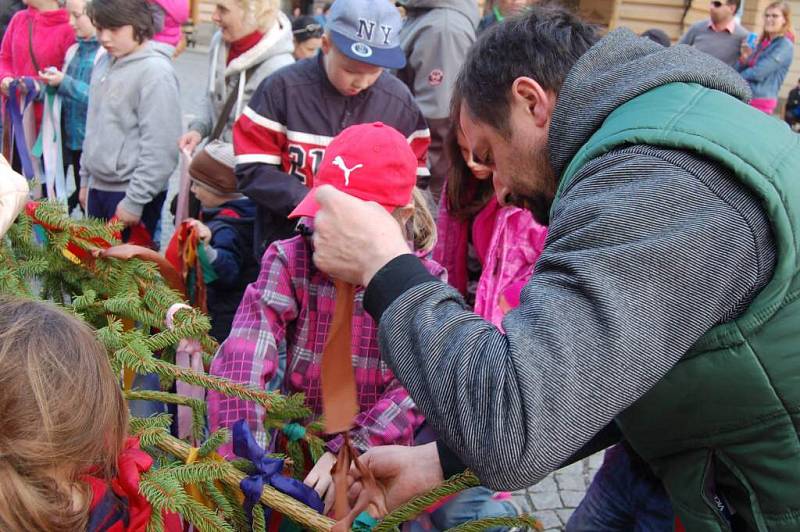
(308, 207)
(383, 57)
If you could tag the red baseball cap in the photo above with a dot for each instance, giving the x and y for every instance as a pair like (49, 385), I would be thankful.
(372, 162)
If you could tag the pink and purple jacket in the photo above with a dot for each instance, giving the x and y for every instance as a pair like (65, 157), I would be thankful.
(507, 241)
(52, 37)
(293, 301)
(176, 13)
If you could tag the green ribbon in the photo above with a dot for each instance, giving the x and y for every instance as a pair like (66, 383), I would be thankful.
(294, 431)
(364, 523)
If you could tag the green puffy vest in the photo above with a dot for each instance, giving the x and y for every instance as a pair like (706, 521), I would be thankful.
(722, 428)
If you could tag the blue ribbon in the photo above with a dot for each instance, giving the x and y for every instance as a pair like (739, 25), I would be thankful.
(268, 472)
(17, 126)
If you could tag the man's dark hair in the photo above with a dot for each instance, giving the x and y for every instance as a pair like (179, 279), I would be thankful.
(734, 3)
(109, 14)
(542, 44)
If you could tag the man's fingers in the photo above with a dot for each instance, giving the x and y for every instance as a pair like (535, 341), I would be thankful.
(326, 194)
(354, 491)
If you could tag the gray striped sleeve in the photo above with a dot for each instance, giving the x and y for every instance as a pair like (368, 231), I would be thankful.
(646, 252)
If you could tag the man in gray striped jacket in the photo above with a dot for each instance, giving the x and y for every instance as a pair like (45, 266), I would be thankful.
(649, 248)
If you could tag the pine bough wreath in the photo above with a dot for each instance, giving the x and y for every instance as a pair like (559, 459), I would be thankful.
(46, 254)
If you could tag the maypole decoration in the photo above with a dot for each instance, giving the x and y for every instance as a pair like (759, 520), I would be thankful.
(138, 309)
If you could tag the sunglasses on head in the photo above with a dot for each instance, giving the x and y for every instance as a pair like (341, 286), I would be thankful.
(315, 30)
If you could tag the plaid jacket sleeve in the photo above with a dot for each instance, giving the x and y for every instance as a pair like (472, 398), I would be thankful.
(250, 354)
(390, 421)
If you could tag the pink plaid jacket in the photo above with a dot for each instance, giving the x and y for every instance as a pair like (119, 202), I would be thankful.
(292, 300)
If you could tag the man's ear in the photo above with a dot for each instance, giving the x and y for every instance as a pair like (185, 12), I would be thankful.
(326, 43)
(528, 94)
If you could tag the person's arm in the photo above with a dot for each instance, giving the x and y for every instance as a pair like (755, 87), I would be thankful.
(624, 287)
(772, 59)
(226, 254)
(259, 141)
(392, 420)
(436, 57)
(159, 116)
(688, 37)
(74, 89)
(250, 353)
(6, 59)
(205, 119)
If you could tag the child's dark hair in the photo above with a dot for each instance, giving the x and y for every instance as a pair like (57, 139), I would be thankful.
(109, 14)
(465, 194)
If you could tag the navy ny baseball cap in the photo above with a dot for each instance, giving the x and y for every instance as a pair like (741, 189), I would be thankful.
(367, 31)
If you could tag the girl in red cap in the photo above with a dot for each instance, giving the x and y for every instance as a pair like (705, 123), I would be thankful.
(293, 302)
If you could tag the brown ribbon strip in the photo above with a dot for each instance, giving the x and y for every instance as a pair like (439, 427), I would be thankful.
(130, 251)
(340, 403)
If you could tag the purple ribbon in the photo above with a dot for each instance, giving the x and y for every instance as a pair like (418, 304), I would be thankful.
(17, 125)
(268, 472)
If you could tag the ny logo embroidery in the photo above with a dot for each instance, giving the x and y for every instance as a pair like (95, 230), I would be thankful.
(338, 161)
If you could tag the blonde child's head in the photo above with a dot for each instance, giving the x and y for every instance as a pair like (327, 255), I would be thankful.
(374, 162)
(79, 20)
(63, 416)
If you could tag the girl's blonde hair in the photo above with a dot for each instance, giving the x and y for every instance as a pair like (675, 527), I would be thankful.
(421, 228)
(262, 12)
(63, 416)
(786, 10)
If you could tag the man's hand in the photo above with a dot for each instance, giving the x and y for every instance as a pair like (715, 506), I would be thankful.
(52, 77)
(402, 472)
(190, 140)
(353, 239)
(744, 52)
(321, 480)
(126, 217)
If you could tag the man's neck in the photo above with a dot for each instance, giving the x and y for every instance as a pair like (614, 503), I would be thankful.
(723, 24)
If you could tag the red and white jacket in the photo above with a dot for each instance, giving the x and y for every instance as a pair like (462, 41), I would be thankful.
(294, 114)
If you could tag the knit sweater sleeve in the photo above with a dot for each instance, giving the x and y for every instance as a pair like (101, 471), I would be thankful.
(642, 258)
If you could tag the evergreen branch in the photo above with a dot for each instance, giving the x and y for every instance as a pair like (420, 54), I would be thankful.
(270, 497)
(214, 442)
(159, 421)
(273, 402)
(156, 523)
(417, 505)
(162, 491)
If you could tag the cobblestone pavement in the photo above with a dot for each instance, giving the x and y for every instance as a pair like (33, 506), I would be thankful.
(554, 499)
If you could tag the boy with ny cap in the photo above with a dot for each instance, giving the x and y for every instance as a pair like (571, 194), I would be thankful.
(294, 114)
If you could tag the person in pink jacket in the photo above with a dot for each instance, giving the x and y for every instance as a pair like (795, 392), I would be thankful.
(36, 38)
(175, 14)
(489, 250)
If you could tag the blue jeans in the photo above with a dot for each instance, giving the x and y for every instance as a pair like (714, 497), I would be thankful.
(623, 497)
(474, 503)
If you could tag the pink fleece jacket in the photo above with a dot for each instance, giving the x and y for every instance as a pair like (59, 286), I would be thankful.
(176, 12)
(52, 36)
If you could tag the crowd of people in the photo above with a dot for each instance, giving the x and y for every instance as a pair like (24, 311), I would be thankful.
(478, 135)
